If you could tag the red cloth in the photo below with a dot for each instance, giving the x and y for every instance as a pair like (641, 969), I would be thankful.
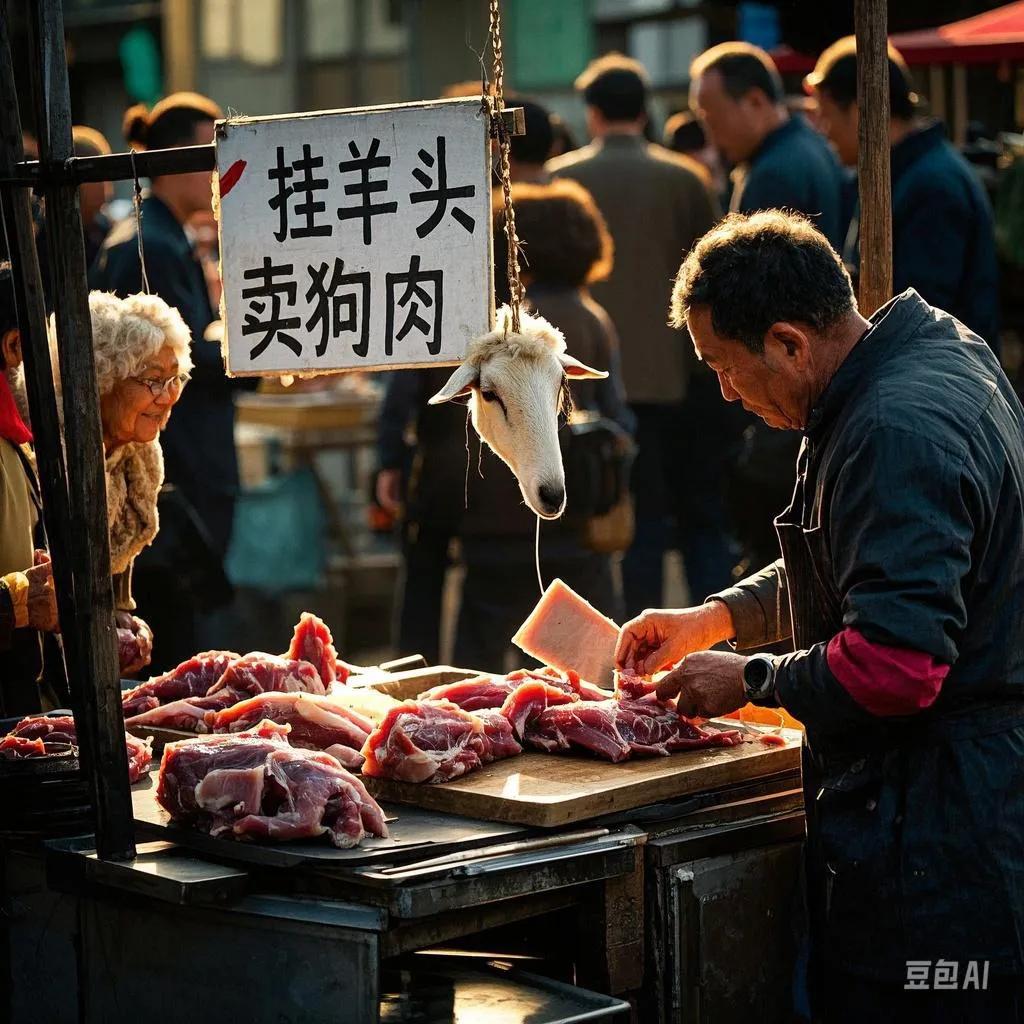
(885, 680)
(12, 426)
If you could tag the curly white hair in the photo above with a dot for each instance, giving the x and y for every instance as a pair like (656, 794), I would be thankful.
(127, 333)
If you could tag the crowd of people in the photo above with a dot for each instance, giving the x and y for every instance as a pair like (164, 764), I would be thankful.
(708, 478)
(603, 228)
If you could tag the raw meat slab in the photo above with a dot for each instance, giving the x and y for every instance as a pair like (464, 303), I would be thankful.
(415, 834)
(548, 790)
(569, 633)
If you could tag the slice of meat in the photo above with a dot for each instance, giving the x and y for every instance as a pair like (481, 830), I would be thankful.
(13, 748)
(317, 723)
(43, 730)
(433, 741)
(529, 699)
(192, 678)
(631, 686)
(52, 729)
(501, 740)
(370, 703)
(140, 756)
(185, 715)
(312, 642)
(619, 729)
(253, 785)
(261, 673)
(484, 691)
(568, 680)
(590, 725)
(569, 633)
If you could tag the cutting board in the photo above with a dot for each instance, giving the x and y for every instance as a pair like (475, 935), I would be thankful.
(547, 790)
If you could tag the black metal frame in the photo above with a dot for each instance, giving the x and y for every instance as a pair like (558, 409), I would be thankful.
(74, 488)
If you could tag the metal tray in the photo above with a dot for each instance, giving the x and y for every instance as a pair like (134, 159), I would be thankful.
(414, 833)
(435, 989)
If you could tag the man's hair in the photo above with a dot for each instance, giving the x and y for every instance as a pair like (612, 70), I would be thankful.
(565, 238)
(616, 85)
(172, 122)
(8, 309)
(684, 133)
(89, 142)
(836, 74)
(752, 271)
(743, 67)
(534, 146)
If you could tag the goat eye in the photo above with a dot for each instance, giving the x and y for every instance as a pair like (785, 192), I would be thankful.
(488, 396)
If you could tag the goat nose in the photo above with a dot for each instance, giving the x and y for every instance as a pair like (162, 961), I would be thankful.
(551, 496)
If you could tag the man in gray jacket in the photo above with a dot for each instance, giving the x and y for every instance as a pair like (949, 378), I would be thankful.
(656, 204)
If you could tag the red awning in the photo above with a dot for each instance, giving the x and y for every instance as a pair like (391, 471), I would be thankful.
(984, 39)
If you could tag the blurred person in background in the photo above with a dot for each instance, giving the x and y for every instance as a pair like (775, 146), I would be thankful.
(93, 196)
(563, 140)
(198, 444)
(530, 151)
(943, 239)
(685, 134)
(656, 204)
(28, 603)
(569, 248)
(778, 161)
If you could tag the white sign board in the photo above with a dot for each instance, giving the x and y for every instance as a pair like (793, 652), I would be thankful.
(356, 239)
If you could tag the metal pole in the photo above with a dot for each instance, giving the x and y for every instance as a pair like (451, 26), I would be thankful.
(873, 171)
(93, 669)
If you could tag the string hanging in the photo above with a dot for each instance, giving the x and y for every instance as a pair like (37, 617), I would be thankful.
(499, 129)
(137, 204)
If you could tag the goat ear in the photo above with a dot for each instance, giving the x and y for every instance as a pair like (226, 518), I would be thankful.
(460, 383)
(575, 370)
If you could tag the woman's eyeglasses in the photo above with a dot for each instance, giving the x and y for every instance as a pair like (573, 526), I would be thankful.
(171, 385)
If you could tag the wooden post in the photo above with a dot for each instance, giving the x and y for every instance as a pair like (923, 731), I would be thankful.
(873, 155)
(960, 106)
(81, 555)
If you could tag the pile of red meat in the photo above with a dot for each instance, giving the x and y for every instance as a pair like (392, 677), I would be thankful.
(454, 729)
(39, 736)
(253, 784)
(220, 691)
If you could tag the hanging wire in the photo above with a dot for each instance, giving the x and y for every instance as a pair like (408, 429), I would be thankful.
(496, 105)
(137, 203)
(536, 558)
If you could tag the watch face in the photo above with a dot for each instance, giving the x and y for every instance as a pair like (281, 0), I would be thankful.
(756, 673)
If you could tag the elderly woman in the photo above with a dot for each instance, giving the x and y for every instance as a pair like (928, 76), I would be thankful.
(141, 348)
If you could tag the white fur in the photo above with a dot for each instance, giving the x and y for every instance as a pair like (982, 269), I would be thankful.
(525, 370)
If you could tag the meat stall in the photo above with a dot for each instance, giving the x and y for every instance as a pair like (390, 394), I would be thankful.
(572, 885)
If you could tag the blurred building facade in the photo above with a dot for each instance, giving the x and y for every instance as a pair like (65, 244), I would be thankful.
(279, 56)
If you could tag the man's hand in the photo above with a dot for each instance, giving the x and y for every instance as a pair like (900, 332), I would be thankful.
(708, 683)
(656, 639)
(389, 489)
(42, 599)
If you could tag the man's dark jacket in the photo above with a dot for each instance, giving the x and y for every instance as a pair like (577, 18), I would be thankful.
(198, 442)
(943, 239)
(907, 524)
(794, 169)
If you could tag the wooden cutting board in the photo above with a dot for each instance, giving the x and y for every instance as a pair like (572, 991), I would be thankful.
(546, 790)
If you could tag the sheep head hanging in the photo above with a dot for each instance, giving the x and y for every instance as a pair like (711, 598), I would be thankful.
(515, 384)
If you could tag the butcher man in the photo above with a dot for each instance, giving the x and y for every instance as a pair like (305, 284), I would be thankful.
(901, 586)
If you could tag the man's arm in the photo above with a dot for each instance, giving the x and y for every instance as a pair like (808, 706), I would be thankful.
(902, 518)
(759, 606)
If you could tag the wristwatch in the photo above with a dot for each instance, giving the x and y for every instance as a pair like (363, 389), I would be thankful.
(759, 679)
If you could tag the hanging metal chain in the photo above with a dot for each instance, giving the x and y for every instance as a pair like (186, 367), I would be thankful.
(499, 129)
(137, 203)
